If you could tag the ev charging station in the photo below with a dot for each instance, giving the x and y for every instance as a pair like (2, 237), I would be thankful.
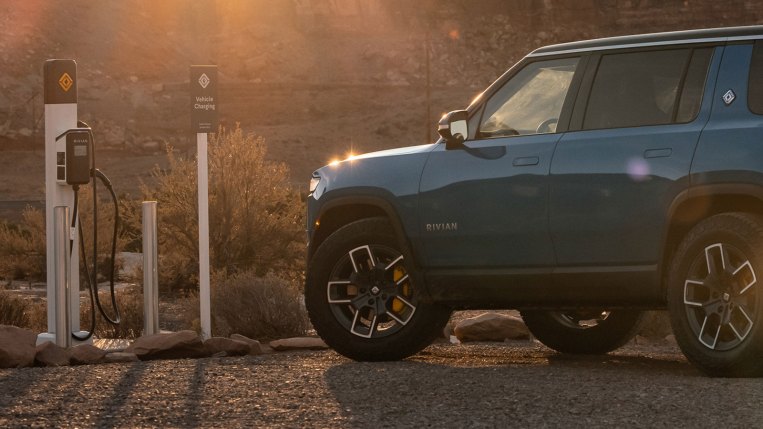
(64, 154)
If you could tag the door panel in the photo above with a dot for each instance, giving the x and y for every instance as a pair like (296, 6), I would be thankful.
(496, 192)
(611, 189)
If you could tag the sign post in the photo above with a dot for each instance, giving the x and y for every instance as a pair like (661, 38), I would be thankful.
(203, 87)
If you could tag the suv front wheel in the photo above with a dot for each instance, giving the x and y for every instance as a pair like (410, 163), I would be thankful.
(362, 299)
(714, 299)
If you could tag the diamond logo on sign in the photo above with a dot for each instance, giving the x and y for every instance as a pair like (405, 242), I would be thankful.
(729, 97)
(66, 82)
(204, 80)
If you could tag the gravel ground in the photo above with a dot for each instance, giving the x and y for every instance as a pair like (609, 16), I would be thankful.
(520, 384)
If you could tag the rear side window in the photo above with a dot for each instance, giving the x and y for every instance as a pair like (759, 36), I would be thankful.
(755, 86)
(642, 88)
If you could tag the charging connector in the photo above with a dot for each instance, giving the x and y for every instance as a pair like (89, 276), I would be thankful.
(73, 156)
(76, 166)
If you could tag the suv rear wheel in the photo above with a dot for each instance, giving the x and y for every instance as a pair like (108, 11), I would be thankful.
(583, 331)
(362, 299)
(715, 302)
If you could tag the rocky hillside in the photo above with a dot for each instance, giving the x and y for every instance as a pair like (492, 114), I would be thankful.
(316, 78)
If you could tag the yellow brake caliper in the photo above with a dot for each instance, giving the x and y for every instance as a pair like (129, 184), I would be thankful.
(397, 305)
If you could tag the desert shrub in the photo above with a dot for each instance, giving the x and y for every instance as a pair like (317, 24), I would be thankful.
(105, 230)
(32, 315)
(256, 218)
(13, 310)
(263, 307)
(130, 302)
(37, 316)
(22, 247)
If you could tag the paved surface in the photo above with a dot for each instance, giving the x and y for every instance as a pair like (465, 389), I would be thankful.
(481, 385)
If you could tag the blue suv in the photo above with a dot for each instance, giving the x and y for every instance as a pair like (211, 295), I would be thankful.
(594, 180)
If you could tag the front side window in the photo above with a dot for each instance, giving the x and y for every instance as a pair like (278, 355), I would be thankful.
(636, 89)
(531, 101)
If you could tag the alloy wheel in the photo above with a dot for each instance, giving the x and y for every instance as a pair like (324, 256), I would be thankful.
(370, 291)
(720, 297)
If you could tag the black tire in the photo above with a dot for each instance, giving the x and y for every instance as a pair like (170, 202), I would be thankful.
(583, 332)
(369, 311)
(714, 301)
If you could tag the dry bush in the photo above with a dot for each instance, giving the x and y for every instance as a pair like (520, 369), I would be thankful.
(130, 302)
(105, 230)
(13, 310)
(256, 218)
(37, 316)
(266, 307)
(32, 315)
(22, 247)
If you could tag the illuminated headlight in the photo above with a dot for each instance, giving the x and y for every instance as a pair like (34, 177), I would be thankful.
(314, 182)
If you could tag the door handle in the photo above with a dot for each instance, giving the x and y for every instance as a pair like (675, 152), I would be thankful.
(658, 153)
(525, 161)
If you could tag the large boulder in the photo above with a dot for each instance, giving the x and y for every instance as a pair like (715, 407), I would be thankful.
(49, 354)
(298, 343)
(175, 345)
(17, 347)
(86, 354)
(222, 346)
(491, 327)
(255, 348)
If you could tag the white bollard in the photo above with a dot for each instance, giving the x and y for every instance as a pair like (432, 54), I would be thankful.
(150, 270)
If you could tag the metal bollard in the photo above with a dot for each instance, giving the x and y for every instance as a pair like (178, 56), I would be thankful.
(61, 266)
(150, 270)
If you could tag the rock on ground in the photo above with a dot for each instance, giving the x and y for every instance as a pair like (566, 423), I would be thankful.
(86, 354)
(255, 348)
(17, 347)
(296, 343)
(227, 346)
(175, 345)
(491, 327)
(49, 354)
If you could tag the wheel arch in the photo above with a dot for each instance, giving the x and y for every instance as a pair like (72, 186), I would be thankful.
(344, 210)
(701, 202)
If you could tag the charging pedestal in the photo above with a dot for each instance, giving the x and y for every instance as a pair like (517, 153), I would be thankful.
(60, 78)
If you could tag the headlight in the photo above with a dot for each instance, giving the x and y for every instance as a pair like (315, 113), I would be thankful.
(314, 182)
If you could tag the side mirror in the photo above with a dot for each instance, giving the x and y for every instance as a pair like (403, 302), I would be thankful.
(453, 128)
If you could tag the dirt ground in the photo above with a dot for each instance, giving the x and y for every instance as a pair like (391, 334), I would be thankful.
(519, 384)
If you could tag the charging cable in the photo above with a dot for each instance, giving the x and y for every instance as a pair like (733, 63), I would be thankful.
(92, 278)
